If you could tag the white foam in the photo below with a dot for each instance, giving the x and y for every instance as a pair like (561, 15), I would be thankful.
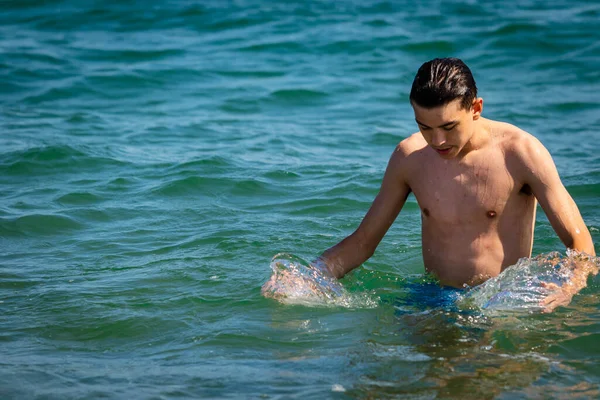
(338, 388)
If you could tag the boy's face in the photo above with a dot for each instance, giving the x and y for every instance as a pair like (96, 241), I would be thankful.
(448, 129)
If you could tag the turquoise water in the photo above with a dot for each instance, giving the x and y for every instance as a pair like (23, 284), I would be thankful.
(155, 156)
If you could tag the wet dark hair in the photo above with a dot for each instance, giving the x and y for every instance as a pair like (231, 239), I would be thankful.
(442, 80)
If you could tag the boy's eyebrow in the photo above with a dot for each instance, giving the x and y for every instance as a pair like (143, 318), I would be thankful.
(441, 126)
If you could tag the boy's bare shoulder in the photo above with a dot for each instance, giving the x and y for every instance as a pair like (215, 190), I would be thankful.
(521, 148)
(514, 139)
(410, 145)
(406, 155)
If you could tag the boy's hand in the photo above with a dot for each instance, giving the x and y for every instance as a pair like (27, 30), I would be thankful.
(559, 297)
(562, 295)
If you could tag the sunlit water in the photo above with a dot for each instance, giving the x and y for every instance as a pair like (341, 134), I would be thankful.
(155, 156)
(519, 288)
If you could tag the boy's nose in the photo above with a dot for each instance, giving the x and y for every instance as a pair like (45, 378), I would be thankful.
(438, 139)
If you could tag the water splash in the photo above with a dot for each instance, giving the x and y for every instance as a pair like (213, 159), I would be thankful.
(523, 286)
(295, 281)
(519, 288)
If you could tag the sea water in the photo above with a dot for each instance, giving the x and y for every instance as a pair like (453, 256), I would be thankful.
(155, 156)
(522, 287)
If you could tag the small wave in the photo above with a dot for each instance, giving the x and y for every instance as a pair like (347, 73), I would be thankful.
(233, 23)
(352, 47)
(584, 346)
(12, 87)
(123, 81)
(397, 352)
(281, 175)
(189, 185)
(279, 47)
(209, 185)
(247, 187)
(378, 23)
(385, 138)
(433, 46)
(314, 207)
(294, 281)
(510, 28)
(257, 74)
(70, 89)
(208, 162)
(591, 11)
(240, 106)
(50, 159)
(326, 207)
(38, 224)
(48, 153)
(40, 57)
(562, 106)
(33, 160)
(586, 189)
(79, 198)
(297, 96)
(128, 56)
(196, 10)
(81, 117)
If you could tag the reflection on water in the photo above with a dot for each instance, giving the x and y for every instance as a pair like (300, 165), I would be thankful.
(444, 351)
(436, 342)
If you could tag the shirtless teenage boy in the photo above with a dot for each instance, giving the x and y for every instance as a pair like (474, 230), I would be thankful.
(477, 182)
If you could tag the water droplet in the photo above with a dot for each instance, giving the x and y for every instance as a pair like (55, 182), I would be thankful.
(337, 388)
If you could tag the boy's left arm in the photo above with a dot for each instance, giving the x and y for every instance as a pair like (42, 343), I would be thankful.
(541, 175)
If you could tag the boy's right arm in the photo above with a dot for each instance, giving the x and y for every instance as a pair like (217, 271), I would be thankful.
(360, 245)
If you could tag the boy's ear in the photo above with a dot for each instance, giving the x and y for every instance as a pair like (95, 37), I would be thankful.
(477, 107)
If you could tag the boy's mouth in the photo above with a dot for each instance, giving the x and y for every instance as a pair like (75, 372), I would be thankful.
(443, 151)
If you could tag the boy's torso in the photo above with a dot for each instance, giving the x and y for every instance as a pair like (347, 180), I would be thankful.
(477, 217)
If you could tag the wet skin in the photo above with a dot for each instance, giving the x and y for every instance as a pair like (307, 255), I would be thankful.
(477, 182)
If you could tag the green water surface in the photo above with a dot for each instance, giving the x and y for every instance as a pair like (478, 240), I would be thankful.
(155, 155)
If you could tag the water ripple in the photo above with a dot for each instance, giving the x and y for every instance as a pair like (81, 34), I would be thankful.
(154, 156)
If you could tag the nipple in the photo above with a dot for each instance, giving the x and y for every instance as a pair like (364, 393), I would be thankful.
(426, 212)
(491, 214)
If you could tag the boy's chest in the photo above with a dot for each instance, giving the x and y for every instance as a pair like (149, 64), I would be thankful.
(461, 195)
